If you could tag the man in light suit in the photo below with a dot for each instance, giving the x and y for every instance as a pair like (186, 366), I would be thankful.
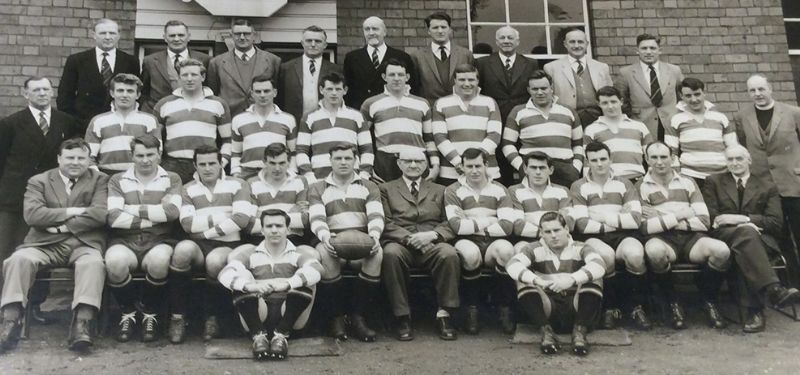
(649, 86)
(298, 91)
(66, 209)
(417, 235)
(159, 75)
(231, 73)
(503, 77)
(771, 132)
(435, 64)
(83, 91)
(746, 214)
(577, 77)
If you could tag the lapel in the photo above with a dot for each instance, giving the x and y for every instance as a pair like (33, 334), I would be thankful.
(455, 58)
(229, 66)
(298, 70)
(665, 82)
(567, 71)
(638, 73)
(729, 186)
(594, 73)
(427, 56)
(750, 120)
(160, 60)
(496, 66)
(775, 122)
(520, 64)
(260, 64)
(749, 191)
(58, 188)
(424, 189)
(32, 126)
(403, 190)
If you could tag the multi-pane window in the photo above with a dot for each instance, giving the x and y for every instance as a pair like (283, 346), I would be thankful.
(791, 19)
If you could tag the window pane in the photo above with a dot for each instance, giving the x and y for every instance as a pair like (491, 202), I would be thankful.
(526, 10)
(488, 11)
(532, 40)
(565, 11)
(791, 9)
(793, 34)
(557, 36)
(483, 39)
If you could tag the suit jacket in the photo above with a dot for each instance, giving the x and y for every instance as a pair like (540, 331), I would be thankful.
(155, 77)
(776, 152)
(290, 85)
(431, 86)
(81, 92)
(46, 201)
(493, 81)
(364, 81)
(760, 202)
(636, 94)
(224, 79)
(406, 215)
(25, 151)
(564, 79)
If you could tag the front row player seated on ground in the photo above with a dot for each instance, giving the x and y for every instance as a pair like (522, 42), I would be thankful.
(143, 202)
(481, 214)
(607, 213)
(66, 210)
(215, 209)
(344, 201)
(675, 225)
(271, 287)
(559, 282)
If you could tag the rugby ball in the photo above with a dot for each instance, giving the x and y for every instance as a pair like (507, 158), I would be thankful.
(352, 244)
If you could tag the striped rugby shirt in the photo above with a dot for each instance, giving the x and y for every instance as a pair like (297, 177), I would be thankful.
(333, 209)
(530, 206)
(109, 136)
(298, 269)
(189, 125)
(251, 134)
(217, 214)
(557, 134)
(616, 201)
(681, 192)
(458, 126)
(538, 261)
(400, 124)
(626, 144)
(488, 212)
(700, 140)
(321, 130)
(284, 198)
(135, 207)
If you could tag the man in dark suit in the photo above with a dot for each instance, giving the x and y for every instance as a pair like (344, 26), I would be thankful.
(771, 132)
(159, 75)
(363, 67)
(503, 77)
(298, 91)
(417, 235)
(435, 63)
(746, 214)
(230, 74)
(66, 209)
(83, 91)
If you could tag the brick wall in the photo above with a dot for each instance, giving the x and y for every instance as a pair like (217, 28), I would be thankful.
(720, 42)
(36, 36)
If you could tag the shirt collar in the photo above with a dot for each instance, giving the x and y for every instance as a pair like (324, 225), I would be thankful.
(112, 53)
(684, 108)
(35, 112)
(317, 60)
(407, 91)
(330, 181)
(381, 49)
(66, 179)
(252, 107)
(249, 53)
(589, 176)
(649, 179)
(646, 68)
(408, 182)
(604, 120)
(183, 54)
(435, 48)
(530, 104)
(767, 108)
(196, 178)
(131, 175)
(744, 178)
(206, 92)
(289, 247)
(503, 58)
(463, 181)
(527, 184)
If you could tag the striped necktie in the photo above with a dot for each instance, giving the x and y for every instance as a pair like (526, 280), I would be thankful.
(105, 69)
(43, 123)
(655, 88)
(375, 62)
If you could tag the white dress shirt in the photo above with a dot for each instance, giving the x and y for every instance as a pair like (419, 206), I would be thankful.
(112, 58)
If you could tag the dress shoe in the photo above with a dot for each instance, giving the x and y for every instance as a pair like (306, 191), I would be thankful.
(549, 344)
(177, 329)
(404, 330)
(755, 322)
(278, 346)
(610, 318)
(676, 316)
(580, 346)
(339, 328)
(640, 319)
(37, 316)
(149, 327)
(715, 319)
(445, 328)
(210, 328)
(260, 346)
(126, 326)
(781, 297)
(361, 330)
(9, 334)
(80, 336)
(472, 325)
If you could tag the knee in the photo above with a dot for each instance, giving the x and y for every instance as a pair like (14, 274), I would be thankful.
(519, 246)
(658, 255)
(719, 250)
(308, 251)
(504, 252)
(157, 266)
(182, 255)
(633, 257)
(241, 253)
(215, 262)
(117, 268)
(470, 255)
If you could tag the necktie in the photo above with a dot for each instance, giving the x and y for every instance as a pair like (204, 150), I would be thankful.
(72, 183)
(579, 71)
(177, 60)
(43, 123)
(655, 88)
(508, 63)
(740, 190)
(375, 61)
(105, 69)
(442, 53)
(311, 67)
(508, 70)
(244, 57)
(414, 190)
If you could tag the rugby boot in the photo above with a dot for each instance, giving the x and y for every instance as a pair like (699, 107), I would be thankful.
(781, 297)
(640, 319)
(149, 327)
(755, 322)
(278, 346)
(210, 328)
(339, 328)
(580, 346)
(177, 329)
(127, 323)
(506, 320)
(260, 346)
(549, 344)
(677, 320)
(10, 331)
(472, 324)
(715, 319)
(361, 330)
(610, 318)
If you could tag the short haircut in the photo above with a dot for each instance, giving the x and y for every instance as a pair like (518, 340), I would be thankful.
(654, 143)
(465, 68)
(146, 140)
(190, 62)
(692, 84)
(536, 155)
(438, 16)
(341, 146)
(595, 146)
(205, 150)
(553, 216)
(396, 62)
(102, 21)
(737, 147)
(642, 37)
(507, 27)
(35, 78)
(242, 22)
(574, 28)
(474, 153)
(316, 29)
(175, 23)
(263, 78)
(128, 79)
(275, 212)
(332, 77)
(73, 143)
(608, 91)
(539, 74)
(274, 150)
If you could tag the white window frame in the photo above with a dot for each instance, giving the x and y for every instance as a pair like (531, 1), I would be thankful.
(792, 52)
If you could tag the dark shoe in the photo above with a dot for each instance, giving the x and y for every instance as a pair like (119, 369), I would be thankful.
(339, 328)
(676, 316)
(9, 334)
(445, 328)
(80, 336)
(361, 330)
(580, 346)
(610, 318)
(177, 329)
(781, 297)
(472, 325)
(260, 346)
(37, 316)
(404, 330)
(506, 321)
(755, 322)
(126, 326)
(640, 319)
(549, 344)
(210, 328)
(149, 327)
(715, 319)
(278, 346)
